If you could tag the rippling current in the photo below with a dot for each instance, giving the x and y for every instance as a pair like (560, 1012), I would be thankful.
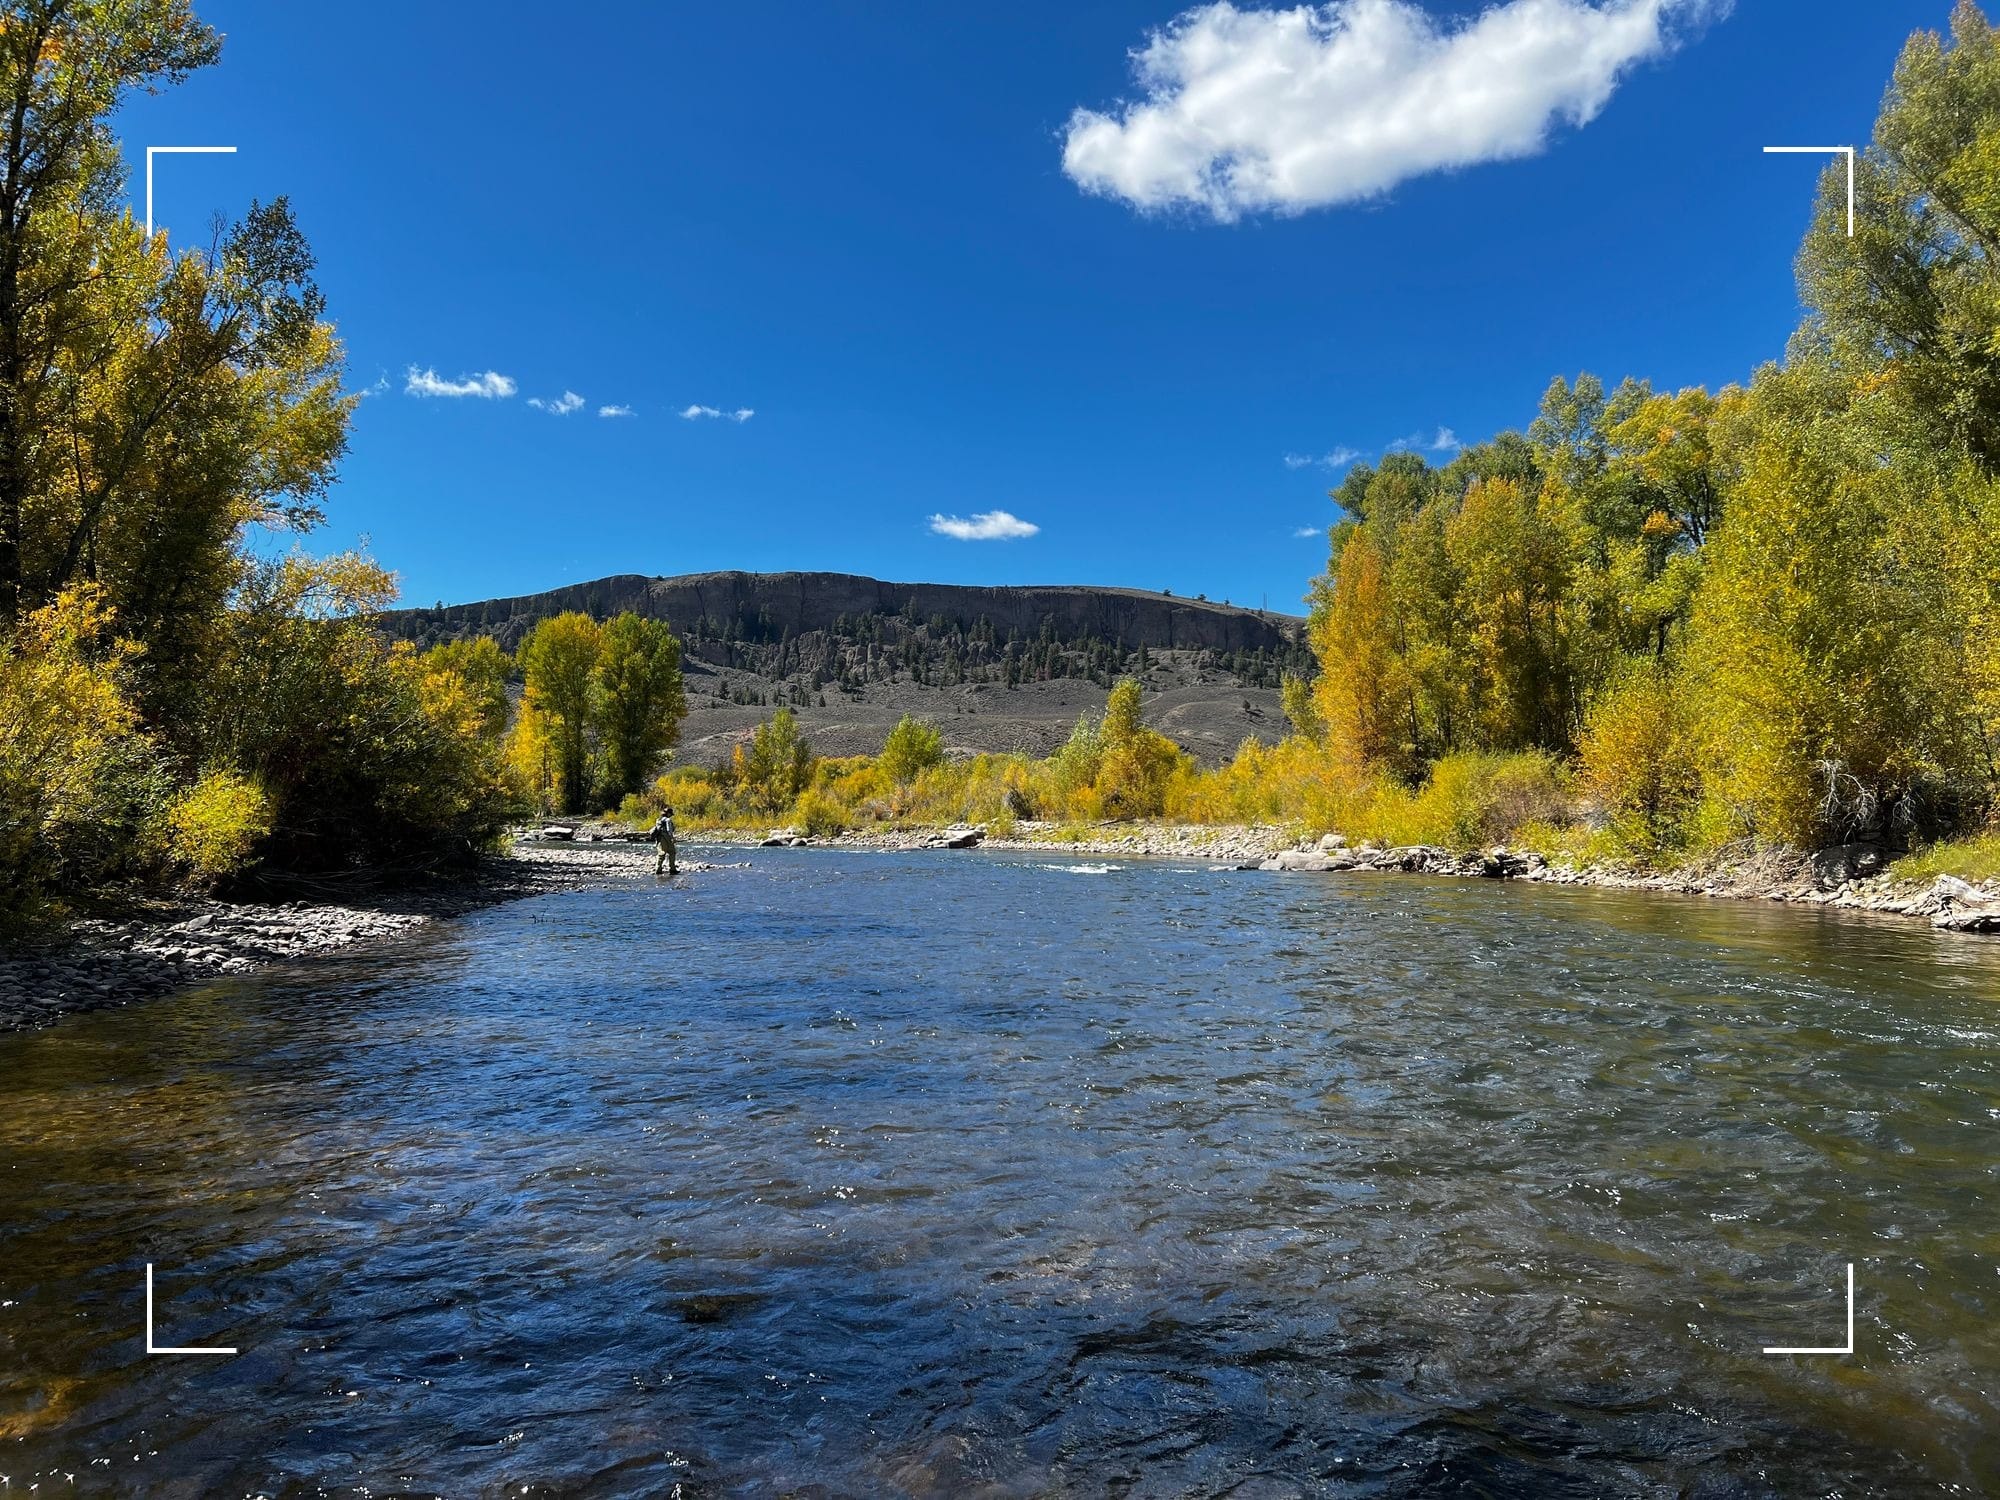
(853, 1174)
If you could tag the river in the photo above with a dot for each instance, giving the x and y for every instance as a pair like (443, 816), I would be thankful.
(947, 1174)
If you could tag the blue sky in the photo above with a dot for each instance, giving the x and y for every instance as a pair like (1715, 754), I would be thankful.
(876, 227)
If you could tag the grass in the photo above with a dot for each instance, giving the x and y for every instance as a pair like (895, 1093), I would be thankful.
(1974, 858)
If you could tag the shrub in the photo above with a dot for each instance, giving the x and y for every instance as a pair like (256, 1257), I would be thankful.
(1074, 767)
(693, 795)
(913, 747)
(1476, 798)
(817, 814)
(214, 828)
(639, 809)
(76, 771)
(779, 763)
(1640, 761)
(369, 757)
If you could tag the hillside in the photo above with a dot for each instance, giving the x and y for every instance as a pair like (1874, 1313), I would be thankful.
(997, 668)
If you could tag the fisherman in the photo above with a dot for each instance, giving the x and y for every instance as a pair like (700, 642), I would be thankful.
(662, 833)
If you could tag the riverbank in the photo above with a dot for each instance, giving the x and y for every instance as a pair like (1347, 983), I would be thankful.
(146, 946)
(1853, 878)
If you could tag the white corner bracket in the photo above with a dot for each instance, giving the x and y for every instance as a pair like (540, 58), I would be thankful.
(1848, 1347)
(152, 151)
(1846, 151)
(151, 1347)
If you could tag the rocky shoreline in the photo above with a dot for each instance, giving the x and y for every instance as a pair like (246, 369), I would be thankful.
(154, 947)
(1852, 878)
(146, 947)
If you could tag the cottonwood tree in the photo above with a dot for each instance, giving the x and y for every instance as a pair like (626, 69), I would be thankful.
(558, 671)
(639, 699)
(65, 65)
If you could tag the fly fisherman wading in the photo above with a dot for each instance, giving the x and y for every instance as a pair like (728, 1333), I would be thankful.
(662, 833)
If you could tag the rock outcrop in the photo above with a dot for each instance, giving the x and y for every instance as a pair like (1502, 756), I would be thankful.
(771, 604)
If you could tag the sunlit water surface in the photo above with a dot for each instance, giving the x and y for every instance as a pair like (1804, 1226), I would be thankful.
(975, 1174)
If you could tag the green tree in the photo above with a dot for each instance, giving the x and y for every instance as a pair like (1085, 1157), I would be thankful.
(363, 756)
(639, 701)
(558, 673)
(912, 748)
(1913, 297)
(65, 65)
(201, 399)
(1514, 555)
(1824, 635)
(1296, 696)
(1568, 436)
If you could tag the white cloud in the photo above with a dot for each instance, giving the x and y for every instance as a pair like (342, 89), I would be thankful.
(490, 386)
(696, 413)
(561, 406)
(1303, 532)
(1334, 458)
(1444, 441)
(614, 411)
(986, 526)
(1286, 110)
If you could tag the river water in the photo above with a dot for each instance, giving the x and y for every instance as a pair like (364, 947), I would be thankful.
(871, 1174)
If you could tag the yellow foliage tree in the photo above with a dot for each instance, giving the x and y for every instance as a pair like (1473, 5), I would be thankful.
(1362, 695)
(72, 756)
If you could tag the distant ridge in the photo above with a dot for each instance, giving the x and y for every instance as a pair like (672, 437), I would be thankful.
(997, 668)
(762, 606)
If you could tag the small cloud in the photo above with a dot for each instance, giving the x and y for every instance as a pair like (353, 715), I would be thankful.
(1302, 532)
(1333, 458)
(986, 526)
(489, 386)
(561, 406)
(614, 411)
(697, 413)
(379, 388)
(1443, 441)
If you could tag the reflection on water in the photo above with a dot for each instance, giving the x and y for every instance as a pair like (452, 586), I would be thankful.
(870, 1174)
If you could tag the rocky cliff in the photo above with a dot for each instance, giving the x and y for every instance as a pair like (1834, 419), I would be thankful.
(768, 606)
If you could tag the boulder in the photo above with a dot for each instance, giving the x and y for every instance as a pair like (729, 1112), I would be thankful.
(1501, 863)
(1298, 860)
(563, 831)
(1833, 868)
(1963, 907)
(1329, 842)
